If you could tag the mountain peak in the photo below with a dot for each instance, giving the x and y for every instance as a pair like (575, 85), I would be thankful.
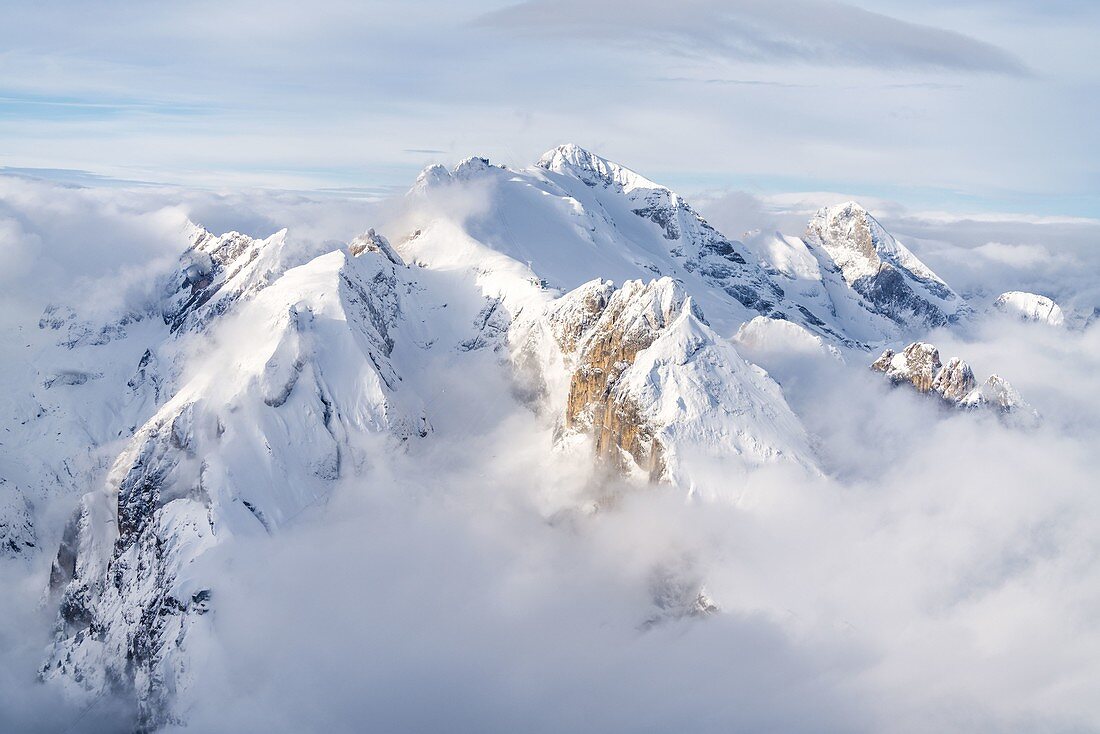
(571, 159)
(880, 268)
(919, 365)
(1030, 307)
(431, 175)
(471, 166)
(371, 241)
(851, 224)
(844, 209)
(567, 152)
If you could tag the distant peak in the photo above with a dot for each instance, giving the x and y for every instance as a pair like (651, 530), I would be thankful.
(196, 233)
(471, 166)
(437, 174)
(572, 159)
(432, 174)
(1030, 307)
(567, 152)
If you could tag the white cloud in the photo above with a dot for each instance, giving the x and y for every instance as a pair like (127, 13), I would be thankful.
(944, 577)
(1016, 255)
(807, 31)
(948, 575)
(352, 94)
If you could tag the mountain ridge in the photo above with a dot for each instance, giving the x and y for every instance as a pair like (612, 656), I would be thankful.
(593, 303)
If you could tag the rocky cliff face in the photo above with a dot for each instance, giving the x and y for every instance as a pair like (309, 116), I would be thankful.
(882, 270)
(630, 321)
(955, 381)
(261, 425)
(919, 366)
(639, 371)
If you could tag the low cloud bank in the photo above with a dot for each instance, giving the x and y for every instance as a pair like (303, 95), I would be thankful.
(943, 576)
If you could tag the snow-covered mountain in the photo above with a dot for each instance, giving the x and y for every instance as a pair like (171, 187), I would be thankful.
(1030, 307)
(288, 372)
(575, 216)
(267, 372)
(639, 370)
(875, 265)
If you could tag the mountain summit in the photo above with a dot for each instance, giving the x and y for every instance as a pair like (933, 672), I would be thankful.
(881, 269)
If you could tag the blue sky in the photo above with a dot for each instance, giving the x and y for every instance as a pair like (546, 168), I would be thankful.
(971, 105)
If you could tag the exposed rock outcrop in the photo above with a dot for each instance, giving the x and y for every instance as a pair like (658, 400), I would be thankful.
(919, 366)
(225, 458)
(881, 269)
(374, 242)
(678, 594)
(17, 532)
(631, 321)
(639, 370)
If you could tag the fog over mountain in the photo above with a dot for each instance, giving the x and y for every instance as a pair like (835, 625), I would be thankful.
(602, 366)
(544, 448)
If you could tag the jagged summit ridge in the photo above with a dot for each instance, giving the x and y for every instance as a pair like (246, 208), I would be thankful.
(593, 169)
(919, 366)
(881, 269)
(639, 371)
(575, 216)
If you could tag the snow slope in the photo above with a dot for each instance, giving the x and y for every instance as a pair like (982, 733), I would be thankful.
(638, 369)
(575, 216)
(1030, 307)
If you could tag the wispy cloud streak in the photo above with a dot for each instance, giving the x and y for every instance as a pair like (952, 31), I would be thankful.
(809, 31)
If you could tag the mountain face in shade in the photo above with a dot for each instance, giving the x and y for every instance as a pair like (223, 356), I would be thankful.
(893, 281)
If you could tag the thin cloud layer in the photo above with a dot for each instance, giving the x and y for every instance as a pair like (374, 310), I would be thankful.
(795, 95)
(808, 31)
